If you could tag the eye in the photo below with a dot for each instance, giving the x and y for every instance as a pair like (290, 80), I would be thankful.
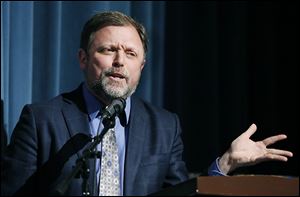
(106, 50)
(131, 53)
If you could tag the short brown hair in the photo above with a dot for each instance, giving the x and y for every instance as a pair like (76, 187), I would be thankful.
(110, 18)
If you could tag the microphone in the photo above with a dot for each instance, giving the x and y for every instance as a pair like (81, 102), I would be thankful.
(116, 107)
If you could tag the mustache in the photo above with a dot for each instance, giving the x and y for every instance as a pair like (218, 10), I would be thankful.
(113, 71)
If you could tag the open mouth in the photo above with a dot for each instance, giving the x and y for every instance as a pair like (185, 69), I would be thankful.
(116, 76)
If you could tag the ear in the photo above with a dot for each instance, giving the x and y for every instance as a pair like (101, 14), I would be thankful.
(83, 59)
(143, 64)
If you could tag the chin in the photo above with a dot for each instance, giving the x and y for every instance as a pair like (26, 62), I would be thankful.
(116, 92)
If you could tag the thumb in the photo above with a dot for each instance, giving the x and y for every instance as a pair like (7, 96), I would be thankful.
(250, 131)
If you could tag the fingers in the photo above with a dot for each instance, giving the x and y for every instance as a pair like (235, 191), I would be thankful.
(250, 131)
(271, 140)
(276, 157)
(270, 156)
(276, 154)
(279, 152)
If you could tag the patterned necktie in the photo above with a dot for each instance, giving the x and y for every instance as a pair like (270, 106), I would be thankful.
(109, 177)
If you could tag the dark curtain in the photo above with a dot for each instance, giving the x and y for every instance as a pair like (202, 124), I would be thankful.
(230, 64)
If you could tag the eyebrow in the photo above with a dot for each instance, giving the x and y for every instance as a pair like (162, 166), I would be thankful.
(126, 48)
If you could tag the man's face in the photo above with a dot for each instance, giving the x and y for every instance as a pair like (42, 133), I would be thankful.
(114, 62)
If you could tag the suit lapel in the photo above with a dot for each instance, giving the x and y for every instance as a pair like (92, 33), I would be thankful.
(74, 112)
(76, 122)
(136, 137)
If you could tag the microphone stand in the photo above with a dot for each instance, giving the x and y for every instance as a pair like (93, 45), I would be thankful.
(82, 167)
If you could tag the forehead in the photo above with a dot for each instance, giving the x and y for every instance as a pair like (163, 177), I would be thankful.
(124, 35)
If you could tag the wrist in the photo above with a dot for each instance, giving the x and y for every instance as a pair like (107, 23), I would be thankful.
(226, 164)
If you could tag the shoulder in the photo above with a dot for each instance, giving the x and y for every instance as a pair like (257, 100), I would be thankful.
(72, 99)
(55, 103)
(152, 112)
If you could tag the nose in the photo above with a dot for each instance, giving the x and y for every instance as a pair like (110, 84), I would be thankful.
(118, 59)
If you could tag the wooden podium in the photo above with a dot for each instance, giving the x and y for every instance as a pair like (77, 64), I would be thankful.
(239, 185)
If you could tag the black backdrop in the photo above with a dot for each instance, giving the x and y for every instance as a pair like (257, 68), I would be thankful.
(230, 64)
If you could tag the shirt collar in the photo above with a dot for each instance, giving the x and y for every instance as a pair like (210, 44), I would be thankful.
(94, 106)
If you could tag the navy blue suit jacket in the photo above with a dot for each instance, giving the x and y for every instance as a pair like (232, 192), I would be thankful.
(48, 139)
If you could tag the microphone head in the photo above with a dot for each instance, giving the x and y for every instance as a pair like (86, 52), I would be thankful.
(116, 107)
(119, 104)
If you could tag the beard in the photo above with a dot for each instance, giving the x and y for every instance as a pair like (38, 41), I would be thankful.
(112, 89)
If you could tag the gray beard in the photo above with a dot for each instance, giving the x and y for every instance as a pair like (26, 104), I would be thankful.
(110, 89)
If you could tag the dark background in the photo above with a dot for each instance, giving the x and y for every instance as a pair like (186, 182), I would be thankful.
(230, 64)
